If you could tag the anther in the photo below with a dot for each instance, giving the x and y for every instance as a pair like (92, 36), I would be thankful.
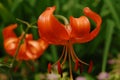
(59, 69)
(90, 67)
(32, 68)
(76, 65)
(5, 60)
(81, 67)
(16, 69)
(49, 68)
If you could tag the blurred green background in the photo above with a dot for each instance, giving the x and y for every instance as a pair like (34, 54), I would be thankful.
(104, 47)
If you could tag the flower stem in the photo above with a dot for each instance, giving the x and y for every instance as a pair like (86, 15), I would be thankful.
(20, 42)
(28, 25)
(109, 32)
(63, 18)
(17, 50)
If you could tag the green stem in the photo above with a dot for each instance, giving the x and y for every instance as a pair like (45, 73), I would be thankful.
(63, 18)
(17, 50)
(109, 32)
(19, 44)
(28, 25)
(113, 12)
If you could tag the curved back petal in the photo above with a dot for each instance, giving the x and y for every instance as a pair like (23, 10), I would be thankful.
(10, 39)
(50, 29)
(8, 31)
(80, 26)
(10, 45)
(97, 19)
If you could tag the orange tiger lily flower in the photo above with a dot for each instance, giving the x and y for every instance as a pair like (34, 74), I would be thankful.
(30, 49)
(77, 31)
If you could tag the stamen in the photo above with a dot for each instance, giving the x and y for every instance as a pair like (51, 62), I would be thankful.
(73, 52)
(90, 67)
(73, 58)
(30, 66)
(16, 68)
(81, 67)
(49, 68)
(65, 57)
(76, 65)
(59, 69)
(69, 51)
(63, 53)
(5, 60)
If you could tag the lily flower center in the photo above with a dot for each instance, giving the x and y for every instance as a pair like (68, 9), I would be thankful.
(69, 53)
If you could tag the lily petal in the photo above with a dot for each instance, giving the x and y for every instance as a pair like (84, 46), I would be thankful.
(8, 31)
(80, 26)
(97, 19)
(50, 29)
(29, 37)
(10, 39)
(36, 48)
(10, 45)
(21, 54)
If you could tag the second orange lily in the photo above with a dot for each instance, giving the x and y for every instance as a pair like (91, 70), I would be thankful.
(29, 49)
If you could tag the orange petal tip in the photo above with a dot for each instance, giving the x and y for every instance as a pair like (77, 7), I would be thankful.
(86, 9)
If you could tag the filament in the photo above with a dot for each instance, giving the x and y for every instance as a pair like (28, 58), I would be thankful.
(63, 52)
(65, 57)
(73, 54)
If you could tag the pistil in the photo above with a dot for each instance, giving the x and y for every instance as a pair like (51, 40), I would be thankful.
(70, 66)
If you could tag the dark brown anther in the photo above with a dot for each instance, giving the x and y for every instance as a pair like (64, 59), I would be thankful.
(49, 68)
(15, 69)
(5, 60)
(81, 67)
(32, 68)
(59, 69)
(90, 67)
(76, 65)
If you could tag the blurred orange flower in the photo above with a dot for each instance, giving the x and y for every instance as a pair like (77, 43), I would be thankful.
(29, 49)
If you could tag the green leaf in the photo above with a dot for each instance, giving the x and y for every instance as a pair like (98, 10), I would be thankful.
(113, 12)
(109, 32)
(15, 4)
(5, 14)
